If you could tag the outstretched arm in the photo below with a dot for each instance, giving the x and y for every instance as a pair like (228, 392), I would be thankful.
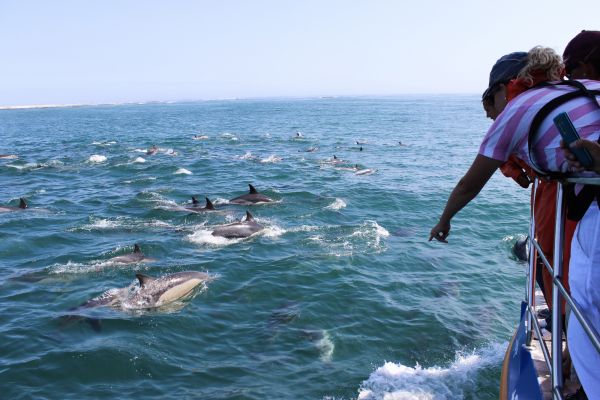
(465, 190)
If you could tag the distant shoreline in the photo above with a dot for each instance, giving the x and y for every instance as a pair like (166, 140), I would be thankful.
(40, 106)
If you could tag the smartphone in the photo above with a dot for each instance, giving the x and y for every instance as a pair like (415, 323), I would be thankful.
(569, 134)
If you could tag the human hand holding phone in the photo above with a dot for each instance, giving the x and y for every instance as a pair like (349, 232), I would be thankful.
(592, 147)
(569, 134)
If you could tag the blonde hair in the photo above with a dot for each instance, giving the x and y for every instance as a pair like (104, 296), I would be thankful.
(542, 60)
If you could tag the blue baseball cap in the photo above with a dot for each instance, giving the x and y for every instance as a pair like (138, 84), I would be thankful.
(506, 68)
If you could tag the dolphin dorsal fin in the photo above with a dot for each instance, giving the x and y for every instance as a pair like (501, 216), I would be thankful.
(194, 201)
(209, 204)
(136, 248)
(22, 203)
(144, 279)
(249, 216)
(252, 189)
(334, 157)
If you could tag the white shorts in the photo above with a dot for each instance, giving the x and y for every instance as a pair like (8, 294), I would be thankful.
(584, 280)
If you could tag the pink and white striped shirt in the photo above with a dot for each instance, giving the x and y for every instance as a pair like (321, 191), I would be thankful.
(509, 133)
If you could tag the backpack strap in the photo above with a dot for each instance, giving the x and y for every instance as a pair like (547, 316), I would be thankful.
(580, 91)
(577, 204)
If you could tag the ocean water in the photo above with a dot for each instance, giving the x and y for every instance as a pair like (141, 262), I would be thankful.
(340, 297)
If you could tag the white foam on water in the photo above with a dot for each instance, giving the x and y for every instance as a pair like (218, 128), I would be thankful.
(229, 136)
(97, 158)
(338, 204)
(247, 156)
(69, 268)
(326, 347)
(272, 231)
(139, 160)
(103, 144)
(399, 382)
(205, 237)
(148, 178)
(101, 224)
(305, 228)
(104, 224)
(181, 171)
(271, 159)
(372, 232)
(141, 151)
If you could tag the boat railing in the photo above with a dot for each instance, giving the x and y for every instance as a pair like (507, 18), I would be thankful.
(553, 358)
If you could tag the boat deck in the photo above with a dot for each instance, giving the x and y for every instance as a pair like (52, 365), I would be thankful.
(537, 355)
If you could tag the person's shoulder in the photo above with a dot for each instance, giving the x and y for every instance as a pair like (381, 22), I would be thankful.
(591, 84)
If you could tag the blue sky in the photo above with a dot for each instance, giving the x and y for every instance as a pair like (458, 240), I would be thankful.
(74, 52)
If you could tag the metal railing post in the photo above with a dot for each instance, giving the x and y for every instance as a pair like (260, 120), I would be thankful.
(559, 223)
(530, 293)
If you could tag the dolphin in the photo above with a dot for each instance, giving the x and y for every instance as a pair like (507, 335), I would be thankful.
(195, 207)
(9, 156)
(252, 197)
(521, 249)
(22, 206)
(152, 292)
(135, 257)
(366, 171)
(156, 292)
(152, 150)
(241, 229)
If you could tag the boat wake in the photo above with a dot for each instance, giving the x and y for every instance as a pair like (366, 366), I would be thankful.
(399, 382)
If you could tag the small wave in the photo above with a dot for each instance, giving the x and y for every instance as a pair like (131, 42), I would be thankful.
(229, 136)
(399, 382)
(140, 180)
(96, 158)
(247, 156)
(104, 144)
(181, 171)
(140, 151)
(139, 160)
(338, 204)
(271, 159)
(84, 268)
(120, 223)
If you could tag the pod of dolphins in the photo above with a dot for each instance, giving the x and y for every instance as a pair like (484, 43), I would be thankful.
(154, 292)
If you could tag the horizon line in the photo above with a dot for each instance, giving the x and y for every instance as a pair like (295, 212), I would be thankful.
(142, 102)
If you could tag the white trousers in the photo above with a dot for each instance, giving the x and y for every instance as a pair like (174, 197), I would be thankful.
(584, 280)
